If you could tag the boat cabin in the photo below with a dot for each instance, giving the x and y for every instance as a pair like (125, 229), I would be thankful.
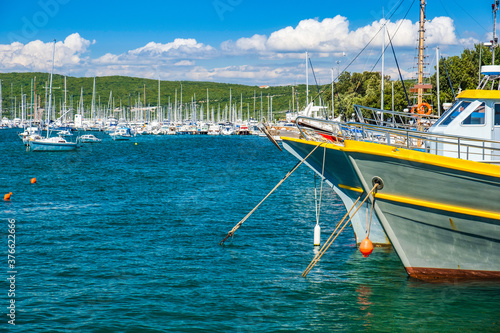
(475, 114)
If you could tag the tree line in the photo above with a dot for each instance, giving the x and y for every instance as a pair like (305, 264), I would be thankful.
(456, 73)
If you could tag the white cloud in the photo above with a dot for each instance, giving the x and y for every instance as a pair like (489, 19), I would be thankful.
(184, 63)
(334, 35)
(274, 59)
(157, 53)
(37, 55)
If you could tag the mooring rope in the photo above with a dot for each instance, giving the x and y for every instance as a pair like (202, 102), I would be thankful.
(371, 216)
(330, 241)
(318, 210)
(230, 233)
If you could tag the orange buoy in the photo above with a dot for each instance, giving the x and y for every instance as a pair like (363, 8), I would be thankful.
(7, 196)
(33, 180)
(366, 247)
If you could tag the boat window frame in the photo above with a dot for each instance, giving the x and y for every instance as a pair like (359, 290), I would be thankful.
(483, 104)
(450, 112)
(494, 114)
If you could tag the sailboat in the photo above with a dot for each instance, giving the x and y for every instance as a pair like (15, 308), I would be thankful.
(434, 192)
(51, 143)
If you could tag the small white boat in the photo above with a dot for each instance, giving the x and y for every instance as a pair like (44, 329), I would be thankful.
(213, 129)
(89, 138)
(243, 130)
(227, 130)
(65, 133)
(30, 133)
(56, 143)
(121, 134)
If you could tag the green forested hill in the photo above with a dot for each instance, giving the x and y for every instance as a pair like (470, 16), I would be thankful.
(351, 88)
(130, 90)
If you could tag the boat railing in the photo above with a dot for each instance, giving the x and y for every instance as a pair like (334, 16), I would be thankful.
(467, 148)
(394, 119)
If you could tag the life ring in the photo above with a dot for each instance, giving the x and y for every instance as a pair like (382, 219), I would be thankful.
(420, 109)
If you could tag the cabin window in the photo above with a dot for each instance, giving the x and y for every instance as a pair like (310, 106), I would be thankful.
(497, 114)
(453, 112)
(476, 117)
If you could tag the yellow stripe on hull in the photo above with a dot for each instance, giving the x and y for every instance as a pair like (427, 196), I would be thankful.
(410, 155)
(429, 204)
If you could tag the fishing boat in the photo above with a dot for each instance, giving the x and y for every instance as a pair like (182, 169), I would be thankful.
(89, 138)
(434, 192)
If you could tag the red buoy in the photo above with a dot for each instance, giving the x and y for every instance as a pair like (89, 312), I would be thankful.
(7, 196)
(33, 180)
(366, 247)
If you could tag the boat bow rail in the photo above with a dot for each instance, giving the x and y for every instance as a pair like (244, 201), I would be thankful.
(394, 119)
(466, 148)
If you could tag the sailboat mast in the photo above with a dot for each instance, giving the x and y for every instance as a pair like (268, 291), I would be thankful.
(49, 109)
(92, 107)
(307, 81)
(495, 39)
(159, 108)
(420, 79)
(382, 82)
(65, 99)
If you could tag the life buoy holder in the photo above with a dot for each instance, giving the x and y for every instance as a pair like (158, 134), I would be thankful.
(421, 109)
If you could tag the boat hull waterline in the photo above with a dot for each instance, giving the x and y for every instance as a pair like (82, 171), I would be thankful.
(52, 146)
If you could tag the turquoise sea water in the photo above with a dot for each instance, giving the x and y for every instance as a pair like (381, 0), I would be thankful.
(118, 237)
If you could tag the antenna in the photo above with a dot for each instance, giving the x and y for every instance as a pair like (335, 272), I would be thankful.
(494, 42)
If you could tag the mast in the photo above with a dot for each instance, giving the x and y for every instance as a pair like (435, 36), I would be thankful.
(1, 111)
(31, 104)
(307, 82)
(382, 82)
(420, 79)
(65, 99)
(50, 88)
(494, 42)
(92, 108)
(158, 111)
(437, 81)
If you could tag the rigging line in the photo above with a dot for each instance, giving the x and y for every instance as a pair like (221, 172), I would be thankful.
(449, 80)
(317, 87)
(371, 40)
(466, 12)
(460, 39)
(399, 70)
(393, 35)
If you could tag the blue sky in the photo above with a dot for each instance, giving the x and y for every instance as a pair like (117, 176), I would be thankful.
(238, 41)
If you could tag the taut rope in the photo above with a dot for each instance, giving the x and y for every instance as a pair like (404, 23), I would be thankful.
(230, 233)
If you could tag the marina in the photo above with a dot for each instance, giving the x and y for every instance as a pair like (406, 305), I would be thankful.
(132, 245)
(192, 187)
